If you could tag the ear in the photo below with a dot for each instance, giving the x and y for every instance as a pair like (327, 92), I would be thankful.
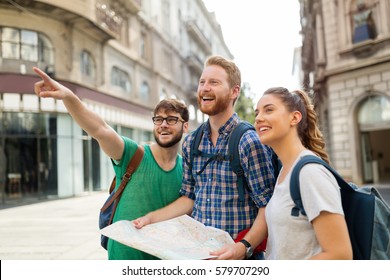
(235, 92)
(185, 127)
(296, 118)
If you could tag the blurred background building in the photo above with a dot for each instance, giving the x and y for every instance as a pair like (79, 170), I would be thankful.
(119, 56)
(346, 67)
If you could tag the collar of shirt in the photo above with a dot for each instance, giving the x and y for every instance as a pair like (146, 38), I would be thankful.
(225, 129)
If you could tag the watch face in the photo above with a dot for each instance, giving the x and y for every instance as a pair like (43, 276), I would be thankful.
(249, 252)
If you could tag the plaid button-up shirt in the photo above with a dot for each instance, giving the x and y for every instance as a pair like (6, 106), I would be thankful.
(215, 191)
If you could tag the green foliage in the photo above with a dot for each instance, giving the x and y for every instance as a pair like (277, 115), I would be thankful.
(245, 104)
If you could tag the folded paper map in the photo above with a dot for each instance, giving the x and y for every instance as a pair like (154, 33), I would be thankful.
(181, 238)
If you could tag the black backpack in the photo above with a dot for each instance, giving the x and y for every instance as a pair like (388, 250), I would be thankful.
(233, 155)
(365, 211)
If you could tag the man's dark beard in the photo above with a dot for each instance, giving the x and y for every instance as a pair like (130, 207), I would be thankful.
(171, 143)
(220, 106)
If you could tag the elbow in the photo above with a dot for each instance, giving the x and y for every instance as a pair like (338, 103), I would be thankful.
(345, 256)
(348, 255)
(344, 253)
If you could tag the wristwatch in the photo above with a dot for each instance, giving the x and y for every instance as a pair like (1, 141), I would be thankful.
(249, 249)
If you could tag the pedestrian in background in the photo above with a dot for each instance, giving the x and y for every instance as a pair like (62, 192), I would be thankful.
(209, 190)
(287, 122)
(157, 180)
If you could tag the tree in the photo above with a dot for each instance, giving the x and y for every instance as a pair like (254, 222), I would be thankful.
(245, 104)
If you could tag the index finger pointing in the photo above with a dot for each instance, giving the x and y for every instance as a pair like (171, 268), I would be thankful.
(42, 74)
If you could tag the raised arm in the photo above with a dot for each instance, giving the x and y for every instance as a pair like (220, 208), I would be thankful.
(110, 142)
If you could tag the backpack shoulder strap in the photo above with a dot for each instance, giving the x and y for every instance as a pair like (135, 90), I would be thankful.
(295, 191)
(234, 155)
(194, 148)
(130, 169)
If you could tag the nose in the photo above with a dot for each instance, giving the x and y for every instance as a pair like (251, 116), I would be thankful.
(259, 118)
(164, 123)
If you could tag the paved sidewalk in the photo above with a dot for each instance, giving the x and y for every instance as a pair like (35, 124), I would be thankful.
(63, 229)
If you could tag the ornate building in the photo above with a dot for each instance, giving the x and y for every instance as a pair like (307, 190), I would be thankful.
(119, 56)
(346, 68)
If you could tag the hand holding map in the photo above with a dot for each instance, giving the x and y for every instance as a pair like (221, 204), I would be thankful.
(180, 238)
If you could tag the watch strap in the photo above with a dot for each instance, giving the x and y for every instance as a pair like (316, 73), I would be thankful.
(249, 249)
(246, 243)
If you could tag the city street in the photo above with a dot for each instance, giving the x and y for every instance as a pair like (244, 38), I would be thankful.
(63, 229)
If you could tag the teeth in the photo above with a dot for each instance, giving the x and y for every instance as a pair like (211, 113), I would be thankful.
(264, 128)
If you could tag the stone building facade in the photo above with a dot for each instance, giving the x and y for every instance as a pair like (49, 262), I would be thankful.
(119, 56)
(346, 66)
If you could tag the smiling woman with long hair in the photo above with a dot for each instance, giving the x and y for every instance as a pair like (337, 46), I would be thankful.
(287, 122)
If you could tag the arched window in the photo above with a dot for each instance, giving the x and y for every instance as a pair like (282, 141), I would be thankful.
(374, 111)
(144, 92)
(25, 45)
(87, 64)
(121, 79)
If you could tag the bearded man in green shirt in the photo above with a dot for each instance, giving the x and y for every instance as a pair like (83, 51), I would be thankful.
(157, 180)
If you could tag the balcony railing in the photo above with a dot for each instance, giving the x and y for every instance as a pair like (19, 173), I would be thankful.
(197, 34)
(108, 18)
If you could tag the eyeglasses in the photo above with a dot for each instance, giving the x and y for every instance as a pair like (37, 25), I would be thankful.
(171, 120)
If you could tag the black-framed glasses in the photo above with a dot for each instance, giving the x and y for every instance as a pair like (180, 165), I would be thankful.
(171, 120)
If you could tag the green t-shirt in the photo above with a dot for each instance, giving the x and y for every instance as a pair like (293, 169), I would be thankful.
(150, 188)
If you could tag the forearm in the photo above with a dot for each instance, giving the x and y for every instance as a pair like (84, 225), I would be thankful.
(181, 206)
(88, 120)
(258, 231)
(93, 124)
(110, 142)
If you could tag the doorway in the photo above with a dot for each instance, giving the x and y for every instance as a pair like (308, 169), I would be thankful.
(374, 127)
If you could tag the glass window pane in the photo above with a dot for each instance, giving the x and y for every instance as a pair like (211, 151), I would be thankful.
(87, 64)
(46, 55)
(45, 50)
(29, 122)
(11, 123)
(29, 37)
(10, 43)
(146, 136)
(10, 35)
(10, 50)
(29, 45)
(144, 92)
(29, 53)
(375, 110)
(128, 132)
(120, 79)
